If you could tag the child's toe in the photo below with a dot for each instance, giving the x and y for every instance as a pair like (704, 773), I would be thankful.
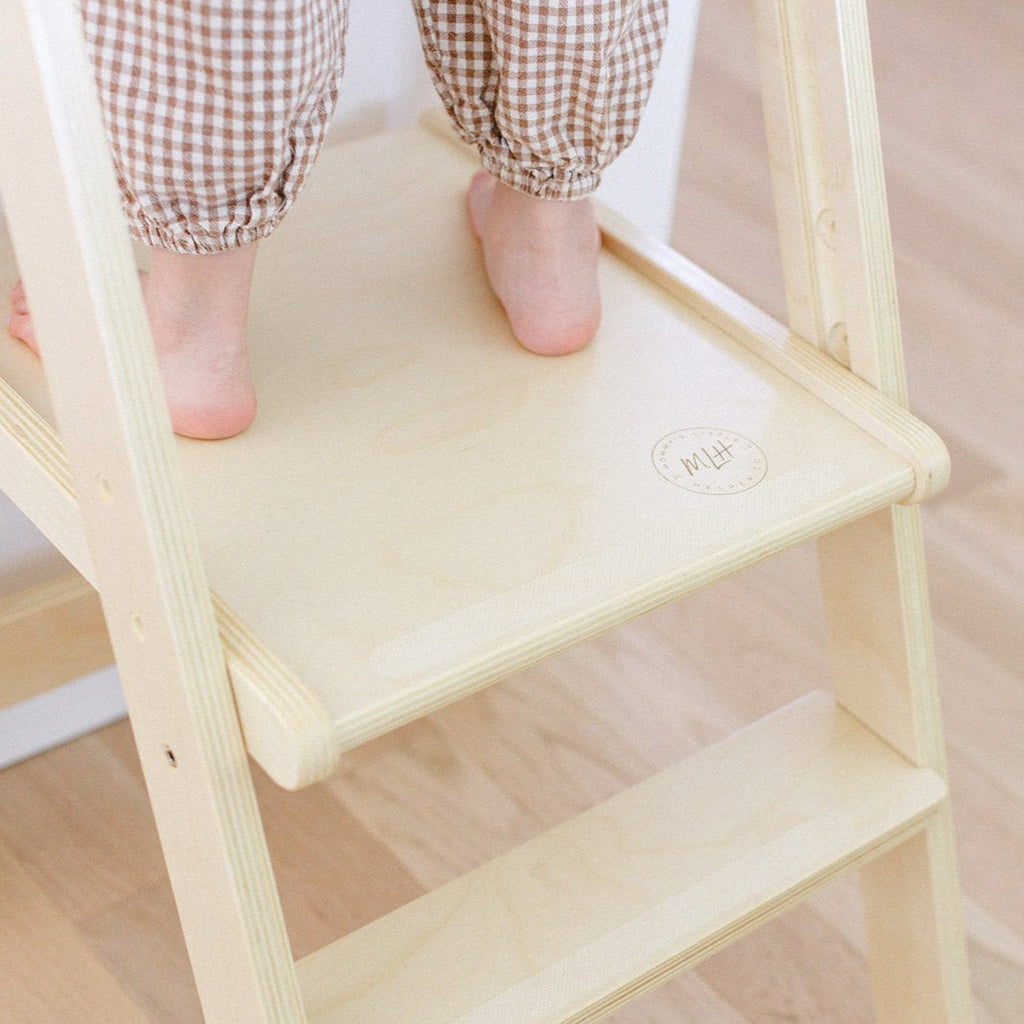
(19, 303)
(19, 326)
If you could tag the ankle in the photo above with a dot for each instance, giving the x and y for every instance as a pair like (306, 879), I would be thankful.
(552, 217)
(193, 296)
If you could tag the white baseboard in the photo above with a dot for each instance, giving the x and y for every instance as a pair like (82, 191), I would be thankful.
(59, 715)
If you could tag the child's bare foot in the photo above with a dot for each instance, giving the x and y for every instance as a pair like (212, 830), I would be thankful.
(541, 259)
(198, 307)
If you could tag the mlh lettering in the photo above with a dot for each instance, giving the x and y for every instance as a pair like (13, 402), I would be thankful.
(708, 458)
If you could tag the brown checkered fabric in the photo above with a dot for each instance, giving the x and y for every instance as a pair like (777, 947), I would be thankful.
(217, 109)
(550, 91)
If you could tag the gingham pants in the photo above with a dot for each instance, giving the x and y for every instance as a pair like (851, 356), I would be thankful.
(216, 109)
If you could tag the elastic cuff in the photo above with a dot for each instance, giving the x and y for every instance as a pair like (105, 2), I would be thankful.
(191, 244)
(561, 182)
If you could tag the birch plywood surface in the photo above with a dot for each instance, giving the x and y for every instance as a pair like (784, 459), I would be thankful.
(440, 796)
(423, 507)
(599, 909)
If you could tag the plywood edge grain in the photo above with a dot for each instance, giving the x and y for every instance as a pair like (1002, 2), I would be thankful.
(60, 197)
(456, 681)
(885, 420)
(583, 918)
(287, 731)
(34, 474)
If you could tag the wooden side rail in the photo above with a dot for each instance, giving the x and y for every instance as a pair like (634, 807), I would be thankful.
(800, 360)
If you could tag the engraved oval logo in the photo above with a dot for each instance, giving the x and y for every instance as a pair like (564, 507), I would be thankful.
(708, 460)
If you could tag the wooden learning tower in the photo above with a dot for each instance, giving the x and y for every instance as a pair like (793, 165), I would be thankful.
(415, 446)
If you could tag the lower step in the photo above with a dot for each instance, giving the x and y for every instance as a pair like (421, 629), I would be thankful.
(580, 920)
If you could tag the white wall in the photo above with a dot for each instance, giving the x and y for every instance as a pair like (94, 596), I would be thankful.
(386, 85)
(641, 184)
(68, 711)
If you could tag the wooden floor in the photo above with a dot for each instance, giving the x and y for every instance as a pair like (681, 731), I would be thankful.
(80, 869)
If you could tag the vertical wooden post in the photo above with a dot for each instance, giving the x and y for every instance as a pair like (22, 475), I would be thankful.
(825, 149)
(62, 207)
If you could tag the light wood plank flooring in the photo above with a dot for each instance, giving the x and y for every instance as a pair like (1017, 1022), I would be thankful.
(77, 844)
